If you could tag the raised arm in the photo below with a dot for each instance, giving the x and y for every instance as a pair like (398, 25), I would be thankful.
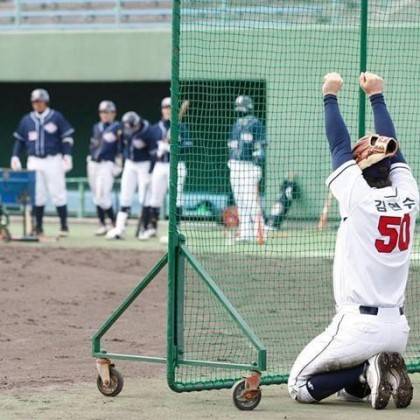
(335, 127)
(373, 86)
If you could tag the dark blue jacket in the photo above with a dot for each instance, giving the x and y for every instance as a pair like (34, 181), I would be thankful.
(247, 140)
(43, 136)
(105, 143)
(141, 145)
(185, 142)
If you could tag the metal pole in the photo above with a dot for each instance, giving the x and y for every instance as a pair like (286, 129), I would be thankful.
(118, 12)
(363, 64)
(110, 321)
(173, 180)
(17, 12)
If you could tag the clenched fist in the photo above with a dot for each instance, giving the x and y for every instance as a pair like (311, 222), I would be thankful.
(15, 163)
(332, 84)
(371, 83)
(67, 163)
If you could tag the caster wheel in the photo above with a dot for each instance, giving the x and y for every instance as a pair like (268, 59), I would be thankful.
(116, 385)
(245, 400)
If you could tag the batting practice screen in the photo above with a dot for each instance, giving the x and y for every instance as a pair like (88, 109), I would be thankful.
(249, 199)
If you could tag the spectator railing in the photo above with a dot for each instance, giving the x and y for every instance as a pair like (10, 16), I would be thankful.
(53, 14)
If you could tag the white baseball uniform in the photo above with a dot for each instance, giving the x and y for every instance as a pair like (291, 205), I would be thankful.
(101, 181)
(135, 176)
(371, 264)
(50, 179)
(244, 179)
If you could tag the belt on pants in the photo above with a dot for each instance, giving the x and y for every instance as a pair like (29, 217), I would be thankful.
(373, 310)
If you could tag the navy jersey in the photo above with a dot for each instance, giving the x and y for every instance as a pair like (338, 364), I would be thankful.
(45, 134)
(185, 142)
(105, 143)
(247, 140)
(141, 145)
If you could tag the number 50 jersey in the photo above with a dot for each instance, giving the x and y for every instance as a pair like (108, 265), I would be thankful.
(375, 238)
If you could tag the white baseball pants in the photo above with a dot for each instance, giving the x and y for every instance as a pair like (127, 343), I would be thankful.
(135, 176)
(350, 339)
(160, 183)
(50, 179)
(182, 176)
(244, 179)
(101, 181)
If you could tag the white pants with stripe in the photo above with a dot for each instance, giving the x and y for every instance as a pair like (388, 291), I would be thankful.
(160, 183)
(182, 176)
(101, 181)
(244, 179)
(135, 176)
(50, 179)
(348, 341)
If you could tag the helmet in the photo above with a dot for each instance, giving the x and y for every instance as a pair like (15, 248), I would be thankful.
(107, 106)
(243, 103)
(373, 148)
(131, 122)
(166, 102)
(40, 95)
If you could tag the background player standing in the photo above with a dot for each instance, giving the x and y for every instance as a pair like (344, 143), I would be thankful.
(160, 175)
(360, 352)
(102, 165)
(247, 145)
(47, 138)
(139, 142)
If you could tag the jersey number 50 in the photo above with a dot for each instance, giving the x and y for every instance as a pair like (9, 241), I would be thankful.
(397, 230)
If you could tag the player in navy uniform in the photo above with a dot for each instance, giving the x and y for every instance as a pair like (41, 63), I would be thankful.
(47, 138)
(247, 144)
(160, 176)
(104, 162)
(139, 142)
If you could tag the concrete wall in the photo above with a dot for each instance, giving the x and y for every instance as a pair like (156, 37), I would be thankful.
(85, 56)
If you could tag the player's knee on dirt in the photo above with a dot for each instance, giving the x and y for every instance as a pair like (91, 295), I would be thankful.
(300, 393)
(321, 385)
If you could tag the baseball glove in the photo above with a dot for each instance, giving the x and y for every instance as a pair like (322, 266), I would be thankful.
(230, 217)
(373, 148)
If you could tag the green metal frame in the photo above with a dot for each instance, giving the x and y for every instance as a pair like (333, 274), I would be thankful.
(176, 329)
(178, 256)
(363, 64)
(97, 350)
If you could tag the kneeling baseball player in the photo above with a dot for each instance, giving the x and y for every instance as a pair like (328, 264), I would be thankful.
(359, 354)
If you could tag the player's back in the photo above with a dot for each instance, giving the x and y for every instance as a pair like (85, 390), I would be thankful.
(375, 238)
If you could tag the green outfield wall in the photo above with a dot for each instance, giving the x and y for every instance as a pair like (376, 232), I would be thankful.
(85, 56)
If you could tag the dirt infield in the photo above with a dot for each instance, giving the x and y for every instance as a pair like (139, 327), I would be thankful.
(53, 299)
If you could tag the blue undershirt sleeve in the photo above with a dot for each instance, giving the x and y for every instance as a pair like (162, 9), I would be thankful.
(383, 123)
(18, 148)
(337, 133)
